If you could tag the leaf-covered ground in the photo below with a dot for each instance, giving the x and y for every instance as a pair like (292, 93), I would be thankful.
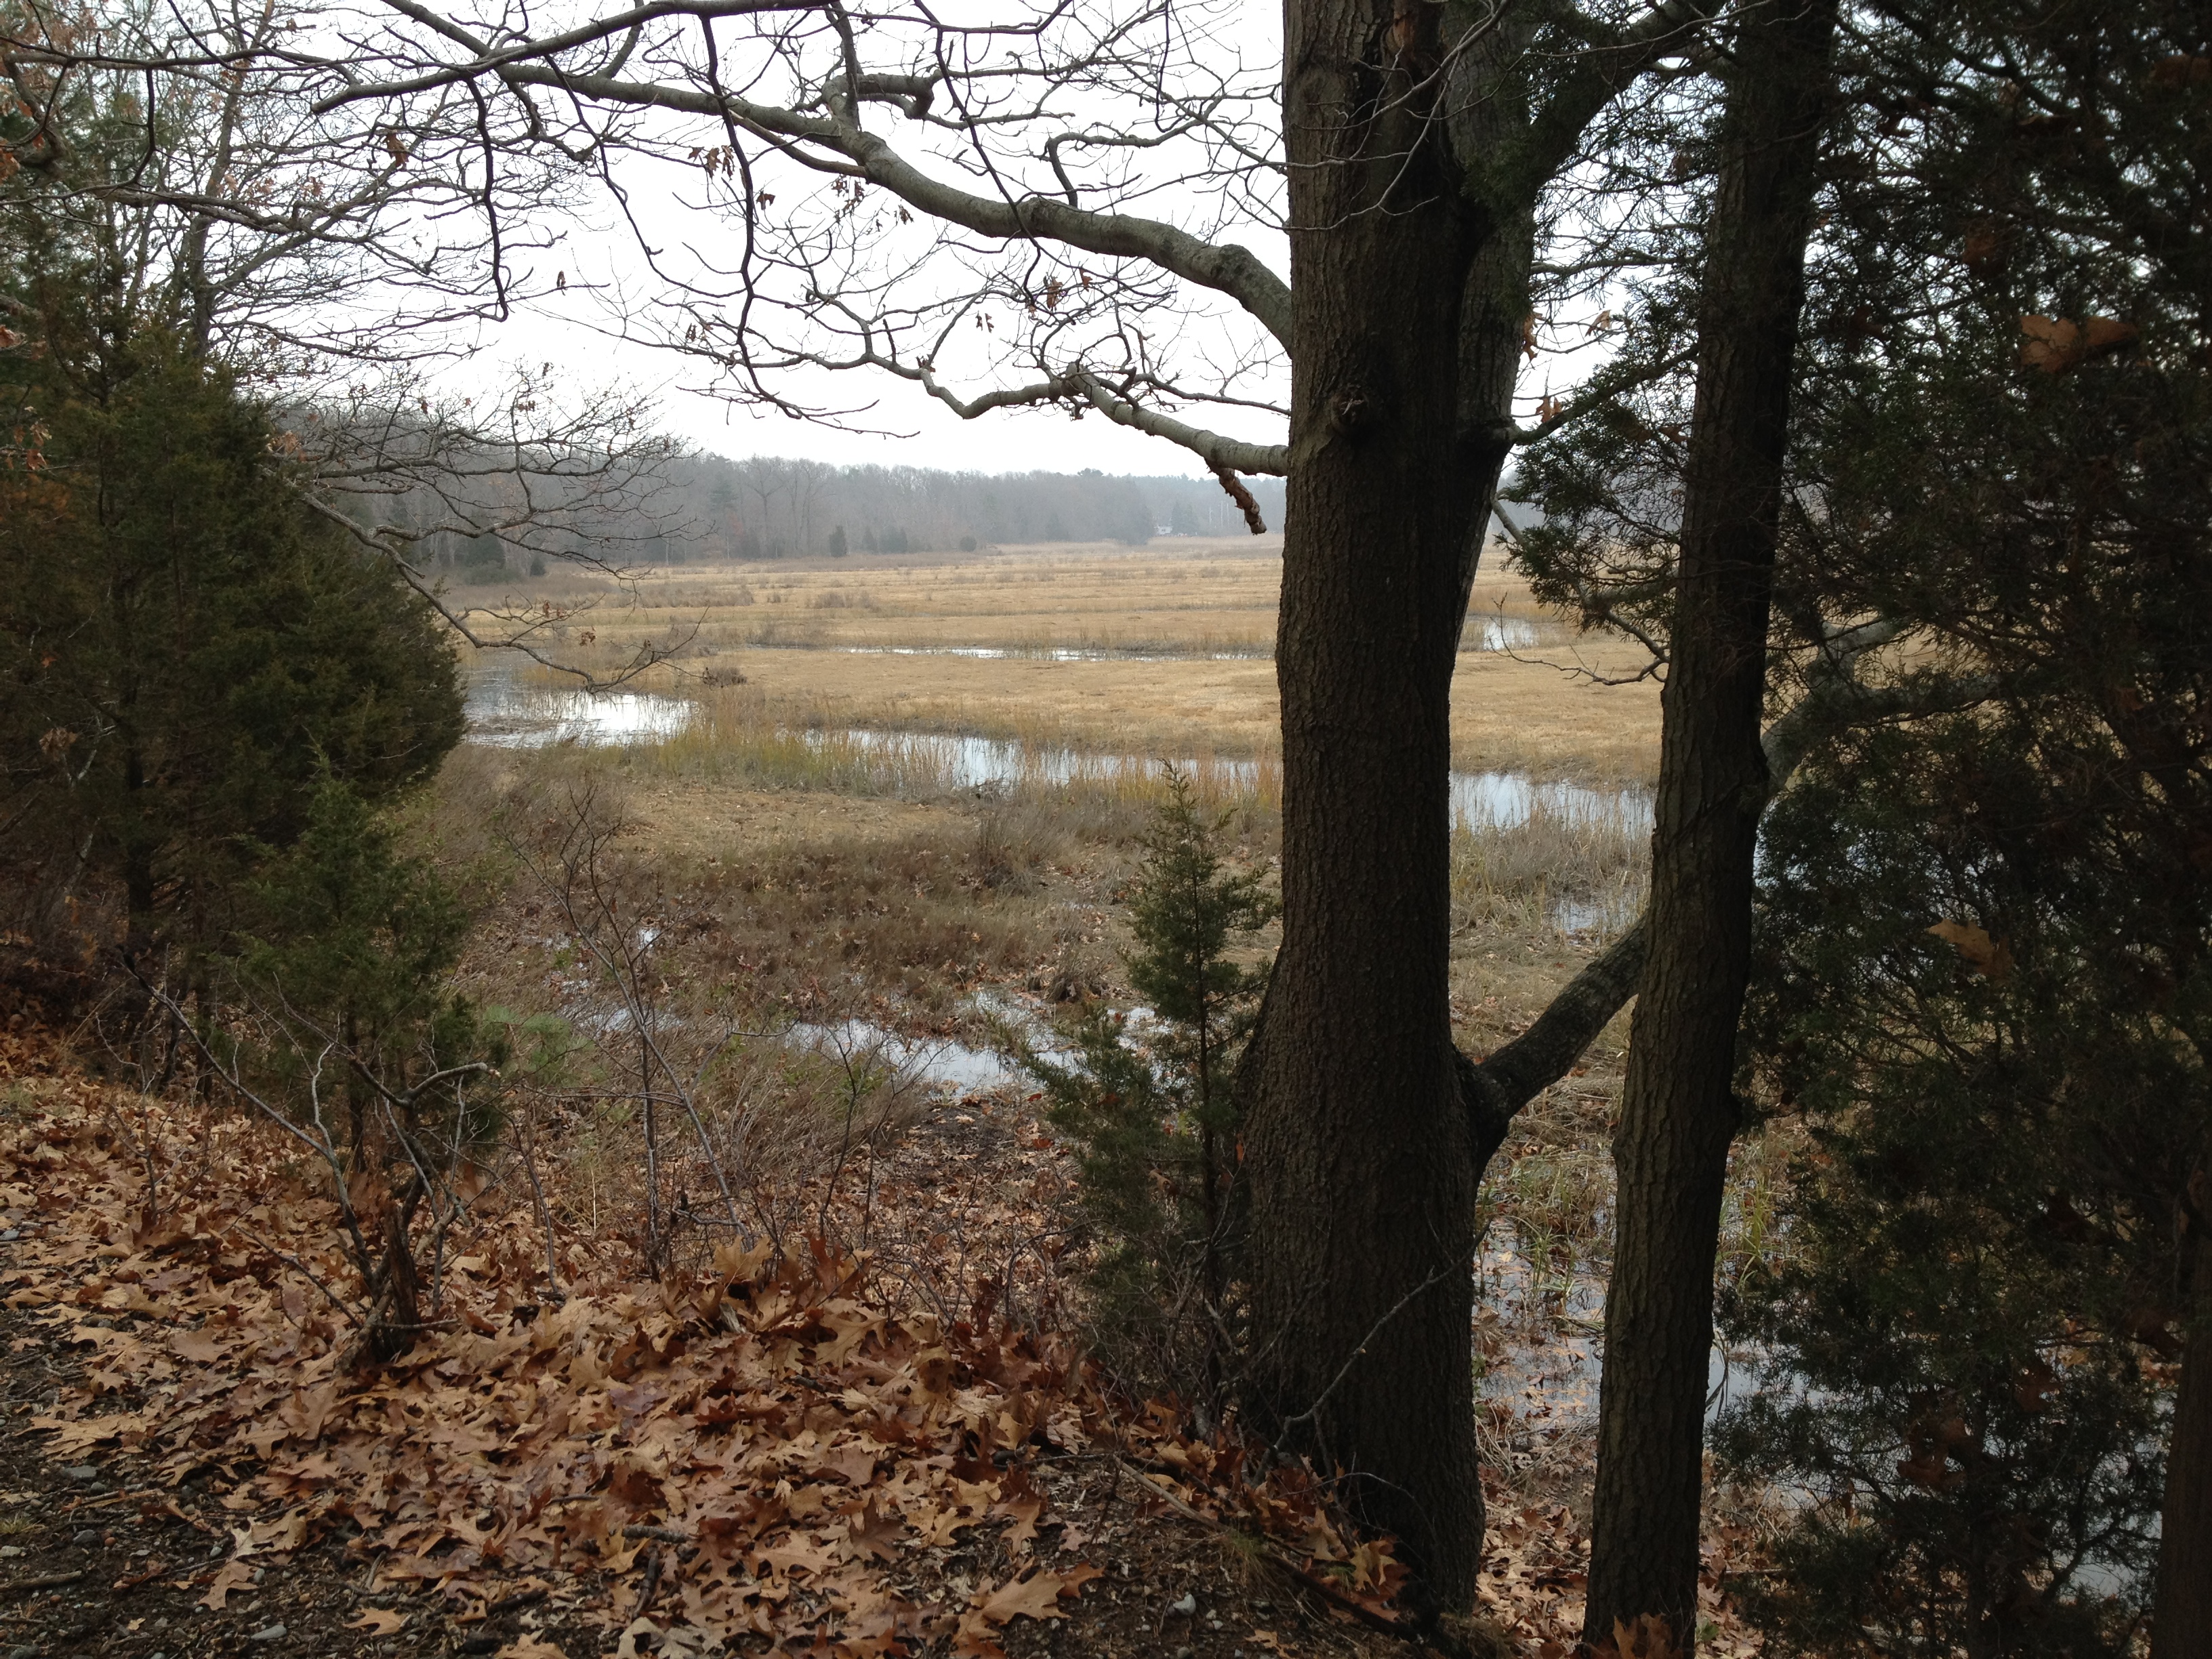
(798, 1452)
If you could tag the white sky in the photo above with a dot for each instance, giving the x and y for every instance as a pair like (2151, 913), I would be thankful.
(902, 426)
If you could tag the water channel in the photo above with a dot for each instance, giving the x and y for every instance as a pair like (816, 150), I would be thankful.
(1493, 633)
(505, 714)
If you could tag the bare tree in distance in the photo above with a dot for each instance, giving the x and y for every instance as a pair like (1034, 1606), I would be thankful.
(155, 175)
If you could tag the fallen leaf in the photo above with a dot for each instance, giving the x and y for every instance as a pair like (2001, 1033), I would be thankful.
(1024, 1512)
(283, 1534)
(876, 1534)
(234, 1575)
(381, 1621)
(1036, 1596)
(1648, 1637)
(973, 1640)
(196, 1347)
(529, 1647)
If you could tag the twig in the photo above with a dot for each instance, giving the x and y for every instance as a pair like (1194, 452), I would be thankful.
(44, 1580)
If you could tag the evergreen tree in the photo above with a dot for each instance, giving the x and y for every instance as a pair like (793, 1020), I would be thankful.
(189, 651)
(1967, 1346)
(343, 965)
(1152, 1112)
(1999, 1327)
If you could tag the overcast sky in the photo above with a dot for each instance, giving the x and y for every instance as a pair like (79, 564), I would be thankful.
(888, 422)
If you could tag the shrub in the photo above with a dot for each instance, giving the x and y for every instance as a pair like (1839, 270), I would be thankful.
(1149, 1103)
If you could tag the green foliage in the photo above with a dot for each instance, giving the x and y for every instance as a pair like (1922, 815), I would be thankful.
(1188, 909)
(483, 560)
(189, 652)
(344, 1019)
(1971, 1339)
(348, 941)
(1957, 1376)
(1152, 1113)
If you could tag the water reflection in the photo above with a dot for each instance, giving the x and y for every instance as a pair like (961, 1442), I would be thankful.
(935, 1062)
(1480, 800)
(1491, 633)
(506, 715)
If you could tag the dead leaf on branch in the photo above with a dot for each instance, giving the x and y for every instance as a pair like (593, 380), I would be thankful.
(2055, 344)
(2179, 71)
(1984, 955)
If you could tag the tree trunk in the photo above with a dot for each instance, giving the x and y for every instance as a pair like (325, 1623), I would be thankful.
(1358, 1145)
(2181, 1627)
(1679, 1108)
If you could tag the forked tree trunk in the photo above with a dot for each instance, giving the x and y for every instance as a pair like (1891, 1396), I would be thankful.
(2181, 1627)
(1679, 1106)
(1358, 1151)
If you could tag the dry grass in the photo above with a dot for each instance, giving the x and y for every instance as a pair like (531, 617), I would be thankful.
(820, 645)
(831, 876)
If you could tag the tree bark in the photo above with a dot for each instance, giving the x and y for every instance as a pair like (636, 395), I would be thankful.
(1358, 1146)
(1678, 1106)
(2181, 1626)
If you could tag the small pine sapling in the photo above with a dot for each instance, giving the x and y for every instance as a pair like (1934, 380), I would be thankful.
(343, 974)
(1151, 1108)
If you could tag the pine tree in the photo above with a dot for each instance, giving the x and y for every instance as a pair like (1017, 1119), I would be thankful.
(1150, 1106)
(343, 965)
(1985, 967)
(189, 651)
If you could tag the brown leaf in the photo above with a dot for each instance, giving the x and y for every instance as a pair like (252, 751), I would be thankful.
(2179, 71)
(973, 1639)
(2101, 335)
(1036, 1596)
(234, 1575)
(1983, 250)
(283, 1534)
(2053, 344)
(196, 1347)
(379, 1621)
(1930, 1469)
(529, 1647)
(1648, 1637)
(932, 1369)
(1984, 954)
(876, 1534)
(1024, 1512)
(855, 1464)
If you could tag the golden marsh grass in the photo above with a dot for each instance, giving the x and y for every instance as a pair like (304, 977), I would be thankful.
(1182, 632)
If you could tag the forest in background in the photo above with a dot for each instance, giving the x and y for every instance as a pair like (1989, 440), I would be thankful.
(709, 507)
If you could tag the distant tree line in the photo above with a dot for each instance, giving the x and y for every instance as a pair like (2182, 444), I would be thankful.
(708, 507)
(771, 507)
